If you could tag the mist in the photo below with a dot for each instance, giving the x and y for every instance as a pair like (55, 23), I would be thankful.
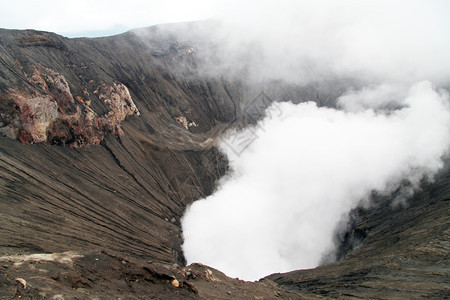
(308, 166)
(303, 41)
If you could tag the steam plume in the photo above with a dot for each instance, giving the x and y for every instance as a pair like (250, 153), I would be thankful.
(310, 166)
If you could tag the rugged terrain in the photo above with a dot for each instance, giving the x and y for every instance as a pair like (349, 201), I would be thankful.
(106, 141)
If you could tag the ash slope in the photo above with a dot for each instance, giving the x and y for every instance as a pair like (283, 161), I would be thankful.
(130, 160)
(119, 138)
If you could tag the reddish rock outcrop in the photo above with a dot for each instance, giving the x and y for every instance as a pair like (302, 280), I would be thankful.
(48, 111)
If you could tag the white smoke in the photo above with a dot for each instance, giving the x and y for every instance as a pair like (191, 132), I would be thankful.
(310, 166)
(305, 171)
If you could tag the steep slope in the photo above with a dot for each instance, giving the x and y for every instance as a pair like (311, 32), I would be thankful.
(126, 183)
(106, 141)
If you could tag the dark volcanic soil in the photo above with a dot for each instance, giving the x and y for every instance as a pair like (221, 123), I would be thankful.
(106, 141)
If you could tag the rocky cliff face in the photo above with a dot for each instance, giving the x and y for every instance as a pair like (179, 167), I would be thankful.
(48, 113)
(106, 141)
(134, 142)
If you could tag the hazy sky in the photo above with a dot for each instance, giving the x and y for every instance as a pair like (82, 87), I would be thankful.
(101, 17)
(92, 18)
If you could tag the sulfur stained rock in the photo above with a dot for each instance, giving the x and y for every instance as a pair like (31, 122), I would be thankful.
(175, 283)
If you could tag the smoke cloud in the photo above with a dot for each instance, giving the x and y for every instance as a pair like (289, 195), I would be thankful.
(309, 166)
(307, 169)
